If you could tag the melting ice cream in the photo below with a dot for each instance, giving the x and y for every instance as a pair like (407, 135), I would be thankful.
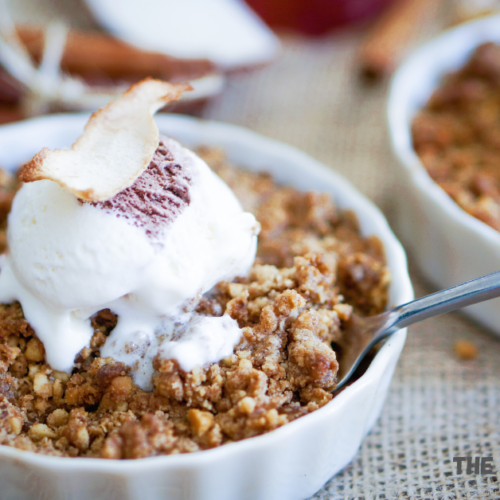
(148, 253)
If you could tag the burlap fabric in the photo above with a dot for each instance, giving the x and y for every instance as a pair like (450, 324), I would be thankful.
(438, 405)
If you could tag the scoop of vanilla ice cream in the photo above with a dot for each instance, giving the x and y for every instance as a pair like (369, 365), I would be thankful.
(148, 263)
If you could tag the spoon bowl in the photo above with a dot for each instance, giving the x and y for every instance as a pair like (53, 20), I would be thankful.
(364, 333)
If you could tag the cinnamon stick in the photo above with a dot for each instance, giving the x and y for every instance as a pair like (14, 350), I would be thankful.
(100, 60)
(10, 114)
(391, 36)
(95, 53)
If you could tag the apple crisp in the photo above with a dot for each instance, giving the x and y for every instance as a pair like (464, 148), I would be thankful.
(313, 269)
(457, 135)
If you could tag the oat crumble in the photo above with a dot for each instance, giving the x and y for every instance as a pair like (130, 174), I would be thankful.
(312, 270)
(457, 135)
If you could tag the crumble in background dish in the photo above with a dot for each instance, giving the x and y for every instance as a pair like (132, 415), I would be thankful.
(457, 135)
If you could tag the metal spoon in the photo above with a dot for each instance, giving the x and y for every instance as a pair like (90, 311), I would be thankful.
(363, 333)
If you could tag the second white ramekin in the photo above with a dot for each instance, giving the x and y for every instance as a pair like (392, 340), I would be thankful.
(449, 245)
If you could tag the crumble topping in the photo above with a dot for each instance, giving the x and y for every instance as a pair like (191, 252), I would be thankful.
(457, 135)
(312, 271)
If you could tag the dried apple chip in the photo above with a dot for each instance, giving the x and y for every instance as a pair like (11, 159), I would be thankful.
(116, 147)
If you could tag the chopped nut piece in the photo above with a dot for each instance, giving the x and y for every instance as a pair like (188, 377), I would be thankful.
(201, 421)
(85, 353)
(236, 289)
(247, 405)
(33, 370)
(11, 419)
(57, 389)
(62, 376)
(42, 386)
(465, 349)
(16, 424)
(39, 431)
(34, 350)
(121, 388)
(343, 310)
(57, 418)
(77, 434)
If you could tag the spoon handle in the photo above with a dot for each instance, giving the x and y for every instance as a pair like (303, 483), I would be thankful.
(479, 289)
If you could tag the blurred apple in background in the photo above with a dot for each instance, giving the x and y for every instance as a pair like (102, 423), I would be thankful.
(316, 17)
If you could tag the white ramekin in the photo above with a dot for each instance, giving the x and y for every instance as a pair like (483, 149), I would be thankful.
(290, 463)
(449, 245)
